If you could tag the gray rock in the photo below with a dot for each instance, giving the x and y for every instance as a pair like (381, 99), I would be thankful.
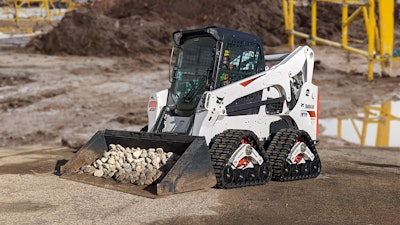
(99, 162)
(128, 168)
(129, 158)
(118, 166)
(111, 161)
(159, 150)
(88, 169)
(136, 154)
(113, 168)
(106, 166)
(156, 166)
(106, 154)
(140, 182)
(111, 173)
(150, 167)
(163, 159)
(169, 154)
(121, 161)
(144, 153)
(121, 155)
(132, 165)
(156, 160)
(103, 159)
(139, 168)
(119, 176)
(120, 148)
(113, 147)
(98, 173)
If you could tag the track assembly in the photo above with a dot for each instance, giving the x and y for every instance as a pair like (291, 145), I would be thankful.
(239, 160)
(293, 156)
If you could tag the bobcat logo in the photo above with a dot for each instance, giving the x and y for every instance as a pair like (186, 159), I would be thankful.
(220, 100)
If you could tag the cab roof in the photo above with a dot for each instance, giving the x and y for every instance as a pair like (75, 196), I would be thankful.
(218, 33)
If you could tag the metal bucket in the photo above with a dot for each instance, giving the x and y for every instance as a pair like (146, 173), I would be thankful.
(192, 171)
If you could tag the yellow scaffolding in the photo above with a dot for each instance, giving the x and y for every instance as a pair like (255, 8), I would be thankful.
(382, 116)
(28, 11)
(380, 35)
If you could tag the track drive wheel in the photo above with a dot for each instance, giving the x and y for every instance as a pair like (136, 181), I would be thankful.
(279, 150)
(224, 147)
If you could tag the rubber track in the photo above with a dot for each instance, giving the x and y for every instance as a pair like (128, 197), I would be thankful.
(278, 151)
(222, 149)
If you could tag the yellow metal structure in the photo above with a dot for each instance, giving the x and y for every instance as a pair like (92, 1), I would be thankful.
(382, 116)
(23, 12)
(380, 35)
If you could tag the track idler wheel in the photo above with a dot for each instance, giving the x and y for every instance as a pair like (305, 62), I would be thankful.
(228, 176)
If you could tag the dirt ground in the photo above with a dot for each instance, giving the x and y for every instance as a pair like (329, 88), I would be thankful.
(51, 104)
(64, 100)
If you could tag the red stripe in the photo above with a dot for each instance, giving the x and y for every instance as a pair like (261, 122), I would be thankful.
(247, 82)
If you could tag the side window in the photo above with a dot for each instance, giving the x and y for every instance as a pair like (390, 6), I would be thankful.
(240, 60)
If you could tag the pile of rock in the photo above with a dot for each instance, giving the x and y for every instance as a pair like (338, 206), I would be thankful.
(132, 165)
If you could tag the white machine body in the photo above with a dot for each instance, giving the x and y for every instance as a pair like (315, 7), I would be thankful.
(288, 84)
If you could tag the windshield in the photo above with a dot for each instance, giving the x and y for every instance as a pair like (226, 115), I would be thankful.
(194, 64)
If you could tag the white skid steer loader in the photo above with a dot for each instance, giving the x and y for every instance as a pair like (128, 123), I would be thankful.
(233, 120)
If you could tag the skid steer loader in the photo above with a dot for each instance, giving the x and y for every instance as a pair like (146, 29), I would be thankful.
(233, 120)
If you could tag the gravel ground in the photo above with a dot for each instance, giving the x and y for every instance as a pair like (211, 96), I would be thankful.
(47, 199)
(356, 186)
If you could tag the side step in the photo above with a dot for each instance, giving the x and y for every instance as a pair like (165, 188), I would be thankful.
(193, 170)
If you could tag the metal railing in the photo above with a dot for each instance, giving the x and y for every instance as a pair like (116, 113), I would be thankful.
(380, 34)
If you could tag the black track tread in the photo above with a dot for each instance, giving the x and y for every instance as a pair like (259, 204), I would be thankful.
(279, 149)
(224, 146)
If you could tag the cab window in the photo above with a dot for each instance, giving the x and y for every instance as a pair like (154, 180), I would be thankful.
(240, 60)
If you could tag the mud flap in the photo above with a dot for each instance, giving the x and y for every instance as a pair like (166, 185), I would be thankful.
(193, 170)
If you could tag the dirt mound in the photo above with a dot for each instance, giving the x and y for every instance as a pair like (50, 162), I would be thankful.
(126, 27)
(129, 27)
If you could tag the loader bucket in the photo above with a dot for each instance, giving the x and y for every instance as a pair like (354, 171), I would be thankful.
(192, 171)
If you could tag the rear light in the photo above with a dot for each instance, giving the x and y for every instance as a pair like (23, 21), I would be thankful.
(312, 114)
(152, 105)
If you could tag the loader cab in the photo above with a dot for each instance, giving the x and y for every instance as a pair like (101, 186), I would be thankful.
(203, 60)
(210, 58)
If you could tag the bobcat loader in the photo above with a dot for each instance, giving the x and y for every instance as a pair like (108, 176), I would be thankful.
(233, 120)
